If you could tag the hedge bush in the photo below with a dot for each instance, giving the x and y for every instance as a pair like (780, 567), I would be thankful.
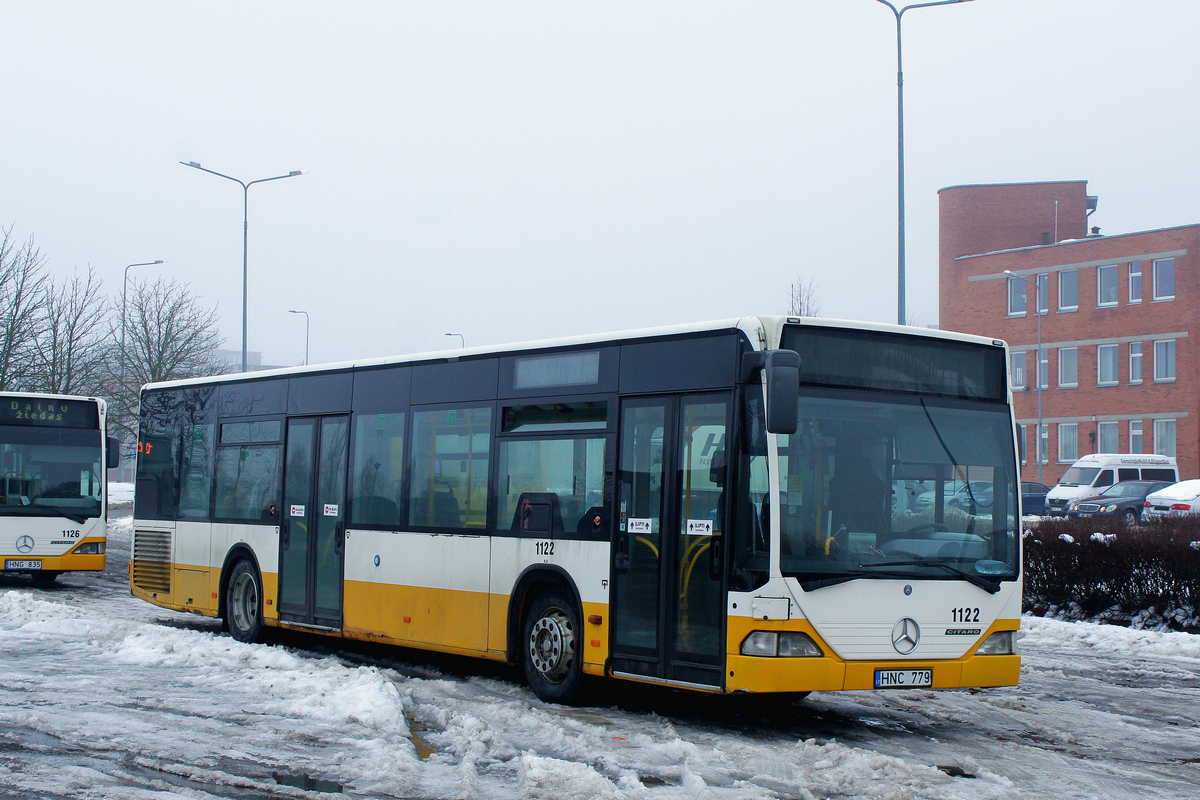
(1099, 569)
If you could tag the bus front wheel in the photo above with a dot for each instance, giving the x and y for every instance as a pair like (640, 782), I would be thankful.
(243, 603)
(551, 651)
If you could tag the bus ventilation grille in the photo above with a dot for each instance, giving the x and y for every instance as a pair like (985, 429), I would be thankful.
(152, 561)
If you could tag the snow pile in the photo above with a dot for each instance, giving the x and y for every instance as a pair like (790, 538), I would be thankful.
(1049, 633)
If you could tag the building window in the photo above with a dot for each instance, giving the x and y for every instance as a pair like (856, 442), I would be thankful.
(1135, 281)
(1164, 437)
(1043, 292)
(1135, 362)
(1106, 365)
(1164, 361)
(1135, 436)
(1016, 297)
(1068, 442)
(1108, 433)
(1106, 286)
(1043, 444)
(1068, 290)
(1017, 369)
(1164, 279)
(1068, 367)
(1044, 368)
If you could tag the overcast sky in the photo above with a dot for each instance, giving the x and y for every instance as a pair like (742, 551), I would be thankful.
(521, 170)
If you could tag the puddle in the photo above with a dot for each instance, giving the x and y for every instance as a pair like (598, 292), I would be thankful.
(415, 729)
(307, 782)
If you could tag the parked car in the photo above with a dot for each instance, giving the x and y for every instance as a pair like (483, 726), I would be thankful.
(1177, 500)
(974, 497)
(1033, 497)
(1092, 473)
(1125, 499)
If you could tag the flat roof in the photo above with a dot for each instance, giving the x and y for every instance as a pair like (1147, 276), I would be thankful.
(1065, 242)
(1017, 183)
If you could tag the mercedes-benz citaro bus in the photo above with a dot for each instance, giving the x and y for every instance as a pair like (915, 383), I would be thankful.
(53, 483)
(751, 505)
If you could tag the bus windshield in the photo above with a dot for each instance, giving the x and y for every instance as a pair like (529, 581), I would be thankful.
(897, 486)
(50, 472)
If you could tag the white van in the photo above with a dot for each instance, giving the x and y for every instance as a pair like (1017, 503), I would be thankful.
(1090, 474)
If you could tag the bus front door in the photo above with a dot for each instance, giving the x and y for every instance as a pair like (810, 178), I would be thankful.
(668, 604)
(313, 534)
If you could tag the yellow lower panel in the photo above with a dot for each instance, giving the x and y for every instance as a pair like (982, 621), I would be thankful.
(755, 674)
(416, 616)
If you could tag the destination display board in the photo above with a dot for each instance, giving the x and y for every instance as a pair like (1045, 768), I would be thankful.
(49, 412)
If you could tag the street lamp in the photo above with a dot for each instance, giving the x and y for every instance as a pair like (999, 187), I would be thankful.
(1037, 364)
(124, 287)
(245, 228)
(305, 313)
(460, 336)
(900, 144)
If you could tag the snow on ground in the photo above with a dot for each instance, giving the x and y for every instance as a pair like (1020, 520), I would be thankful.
(104, 696)
(120, 495)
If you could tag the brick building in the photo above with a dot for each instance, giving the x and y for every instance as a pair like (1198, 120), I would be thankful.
(1119, 319)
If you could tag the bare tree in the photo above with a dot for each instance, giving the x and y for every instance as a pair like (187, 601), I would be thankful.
(74, 347)
(169, 335)
(22, 294)
(802, 298)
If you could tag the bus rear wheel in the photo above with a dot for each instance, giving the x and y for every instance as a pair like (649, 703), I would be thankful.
(243, 603)
(551, 651)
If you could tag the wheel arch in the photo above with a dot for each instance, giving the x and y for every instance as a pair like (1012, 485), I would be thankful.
(238, 551)
(532, 581)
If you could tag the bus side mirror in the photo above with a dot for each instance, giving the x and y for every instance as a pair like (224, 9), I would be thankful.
(782, 368)
(114, 452)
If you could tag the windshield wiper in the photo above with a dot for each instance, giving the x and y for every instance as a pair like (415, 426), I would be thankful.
(43, 511)
(989, 586)
(845, 577)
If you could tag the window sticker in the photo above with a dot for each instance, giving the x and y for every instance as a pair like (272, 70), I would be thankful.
(699, 527)
(296, 511)
(639, 525)
(331, 509)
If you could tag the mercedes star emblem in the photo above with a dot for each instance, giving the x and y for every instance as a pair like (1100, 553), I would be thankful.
(25, 544)
(905, 635)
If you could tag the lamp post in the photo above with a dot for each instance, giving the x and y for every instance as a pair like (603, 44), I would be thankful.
(245, 228)
(305, 313)
(460, 336)
(900, 146)
(124, 287)
(1037, 364)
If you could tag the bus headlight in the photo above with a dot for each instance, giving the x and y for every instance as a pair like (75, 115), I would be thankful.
(999, 643)
(89, 549)
(786, 645)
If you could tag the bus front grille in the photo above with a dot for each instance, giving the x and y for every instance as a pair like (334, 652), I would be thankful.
(152, 561)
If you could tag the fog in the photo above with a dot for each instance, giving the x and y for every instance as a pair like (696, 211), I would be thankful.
(521, 170)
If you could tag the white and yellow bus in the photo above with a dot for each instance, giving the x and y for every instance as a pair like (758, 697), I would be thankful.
(53, 483)
(755, 505)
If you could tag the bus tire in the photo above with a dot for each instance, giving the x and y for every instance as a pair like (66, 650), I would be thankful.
(44, 577)
(551, 649)
(243, 603)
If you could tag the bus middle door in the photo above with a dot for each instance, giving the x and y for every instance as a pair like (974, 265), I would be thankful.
(313, 534)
